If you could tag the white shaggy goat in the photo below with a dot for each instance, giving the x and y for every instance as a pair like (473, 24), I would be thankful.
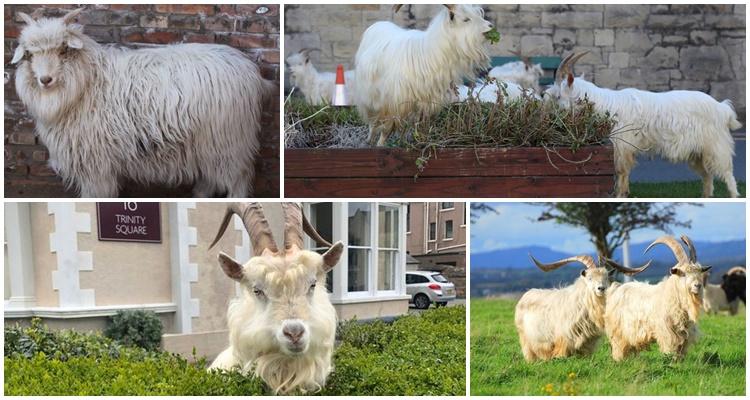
(406, 74)
(679, 125)
(283, 327)
(318, 87)
(186, 113)
(554, 323)
(524, 73)
(715, 299)
(638, 314)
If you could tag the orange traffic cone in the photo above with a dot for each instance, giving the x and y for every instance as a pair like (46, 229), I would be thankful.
(339, 95)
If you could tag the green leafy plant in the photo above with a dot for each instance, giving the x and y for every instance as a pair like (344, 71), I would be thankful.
(135, 328)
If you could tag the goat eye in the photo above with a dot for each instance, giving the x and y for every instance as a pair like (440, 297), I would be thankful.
(258, 292)
(467, 19)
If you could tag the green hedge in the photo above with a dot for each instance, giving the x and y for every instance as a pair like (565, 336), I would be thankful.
(419, 355)
(135, 328)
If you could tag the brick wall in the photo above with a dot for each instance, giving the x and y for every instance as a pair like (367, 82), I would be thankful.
(654, 47)
(254, 29)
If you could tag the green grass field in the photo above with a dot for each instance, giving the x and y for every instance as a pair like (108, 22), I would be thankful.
(714, 366)
(686, 189)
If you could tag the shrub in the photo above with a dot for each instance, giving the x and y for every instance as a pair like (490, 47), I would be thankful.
(135, 328)
(414, 355)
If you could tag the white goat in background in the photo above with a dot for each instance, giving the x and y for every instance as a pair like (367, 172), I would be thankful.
(488, 92)
(406, 74)
(524, 73)
(318, 87)
(186, 113)
(554, 323)
(283, 327)
(679, 125)
(638, 314)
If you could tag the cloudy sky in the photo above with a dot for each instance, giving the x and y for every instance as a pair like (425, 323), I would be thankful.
(515, 226)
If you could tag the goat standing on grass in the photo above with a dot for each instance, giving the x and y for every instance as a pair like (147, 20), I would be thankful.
(554, 323)
(318, 87)
(283, 327)
(727, 295)
(187, 113)
(406, 74)
(639, 314)
(679, 125)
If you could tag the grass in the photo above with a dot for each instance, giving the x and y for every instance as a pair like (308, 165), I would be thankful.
(714, 366)
(684, 189)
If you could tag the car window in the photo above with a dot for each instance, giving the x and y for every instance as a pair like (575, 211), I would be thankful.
(439, 278)
(420, 279)
(409, 278)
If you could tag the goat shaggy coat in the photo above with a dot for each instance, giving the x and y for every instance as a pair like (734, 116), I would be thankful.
(186, 113)
(406, 74)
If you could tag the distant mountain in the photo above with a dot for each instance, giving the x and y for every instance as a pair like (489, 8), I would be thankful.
(708, 253)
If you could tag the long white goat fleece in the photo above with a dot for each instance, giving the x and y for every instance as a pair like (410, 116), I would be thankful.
(679, 125)
(405, 74)
(187, 113)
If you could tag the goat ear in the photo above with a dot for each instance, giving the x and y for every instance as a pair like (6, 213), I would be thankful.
(18, 55)
(451, 10)
(74, 42)
(583, 272)
(705, 269)
(332, 256)
(570, 80)
(26, 18)
(231, 268)
(676, 271)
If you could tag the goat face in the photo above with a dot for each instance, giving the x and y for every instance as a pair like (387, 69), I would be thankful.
(466, 24)
(690, 276)
(296, 65)
(285, 291)
(596, 279)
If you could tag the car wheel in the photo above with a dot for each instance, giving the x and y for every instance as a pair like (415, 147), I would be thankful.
(421, 301)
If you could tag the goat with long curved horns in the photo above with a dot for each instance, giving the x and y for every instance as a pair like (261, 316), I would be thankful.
(562, 322)
(283, 327)
(639, 314)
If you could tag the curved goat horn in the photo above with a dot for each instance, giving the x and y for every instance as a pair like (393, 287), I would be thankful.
(691, 248)
(626, 270)
(292, 225)
(71, 16)
(255, 224)
(310, 231)
(585, 260)
(396, 7)
(673, 245)
(566, 67)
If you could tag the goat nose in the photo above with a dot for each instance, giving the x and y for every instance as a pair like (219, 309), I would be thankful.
(601, 288)
(45, 80)
(293, 332)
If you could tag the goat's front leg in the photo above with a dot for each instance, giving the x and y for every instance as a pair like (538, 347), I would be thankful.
(624, 163)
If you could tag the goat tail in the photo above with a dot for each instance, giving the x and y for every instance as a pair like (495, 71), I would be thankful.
(732, 115)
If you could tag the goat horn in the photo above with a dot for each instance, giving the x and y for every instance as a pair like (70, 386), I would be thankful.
(310, 231)
(26, 18)
(562, 70)
(526, 60)
(673, 245)
(626, 270)
(255, 224)
(691, 248)
(292, 225)
(450, 7)
(69, 17)
(307, 50)
(396, 7)
(585, 260)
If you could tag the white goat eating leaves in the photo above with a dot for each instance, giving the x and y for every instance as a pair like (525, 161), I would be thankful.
(639, 314)
(562, 322)
(178, 114)
(679, 125)
(283, 327)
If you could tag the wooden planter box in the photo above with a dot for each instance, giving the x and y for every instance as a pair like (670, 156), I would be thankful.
(452, 173)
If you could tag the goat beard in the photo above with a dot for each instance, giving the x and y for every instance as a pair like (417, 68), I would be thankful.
(284, 373)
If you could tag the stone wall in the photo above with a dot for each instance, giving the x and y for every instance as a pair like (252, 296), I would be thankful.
(654, 47)
(254, 29)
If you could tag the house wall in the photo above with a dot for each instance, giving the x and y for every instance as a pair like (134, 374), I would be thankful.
(654, 47)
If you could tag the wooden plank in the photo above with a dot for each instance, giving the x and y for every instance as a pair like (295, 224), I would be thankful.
(579, 186)
(360, 163)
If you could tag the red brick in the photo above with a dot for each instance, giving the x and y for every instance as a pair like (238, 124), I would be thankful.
(131, 7)
(250, 41)
(221, 23)
(155, 37)
(11, 31)
(271, 56)
(22, 138)
(17, 170)
(41, 170)
(227, 8)
(185, 8)
(40, 155)
(199, 38)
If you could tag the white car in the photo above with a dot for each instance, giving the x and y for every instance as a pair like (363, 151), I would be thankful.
(427, 287)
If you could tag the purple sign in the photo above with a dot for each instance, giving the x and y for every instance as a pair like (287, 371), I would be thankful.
(129, 221)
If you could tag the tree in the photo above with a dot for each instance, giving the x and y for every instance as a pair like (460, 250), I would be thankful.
(609, 223)
(477, 209)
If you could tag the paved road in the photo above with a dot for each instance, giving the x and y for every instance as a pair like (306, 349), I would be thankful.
(658, 170)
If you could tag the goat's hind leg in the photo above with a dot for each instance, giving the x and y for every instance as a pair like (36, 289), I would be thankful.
(696, 164)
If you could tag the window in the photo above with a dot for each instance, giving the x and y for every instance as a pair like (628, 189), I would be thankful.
(387, 246)
(446, 206)
(414, 278)
(439, 278)
(359, 220)
(449, 229)
(433, 231)
(463, 216)
(321, 218)
(408, 217)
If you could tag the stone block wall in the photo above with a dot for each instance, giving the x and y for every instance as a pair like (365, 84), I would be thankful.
(653, 47)
(254, 29)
